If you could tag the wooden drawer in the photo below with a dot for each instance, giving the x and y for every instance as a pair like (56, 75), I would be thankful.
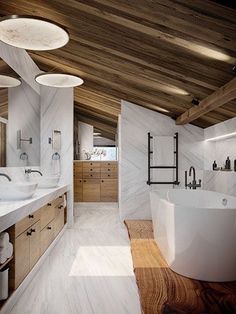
(92, 170)
(109, 175)
(91, 175)
(46, 237)
(109, 170)
(91, 164)
(109, 164)
(58, 222)
(26, 222)
(47, 214)
(78, 165)
(109, 190)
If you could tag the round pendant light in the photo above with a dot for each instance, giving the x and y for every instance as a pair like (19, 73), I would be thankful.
(58, 80)
(8, 81)
(32, 32)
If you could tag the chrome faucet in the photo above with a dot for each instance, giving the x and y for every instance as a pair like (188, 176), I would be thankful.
(6, 176)
(192, 185)
(28, 171)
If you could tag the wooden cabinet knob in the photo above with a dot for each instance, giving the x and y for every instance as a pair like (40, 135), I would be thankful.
(49, 228)
(91, 175)
(80, 181)
(108, 164)
(31, 216)
(91, 169)
(84, 180)
(102, 180)
(91, 164)
(49, 204)
(60, 207)
(109, 169)
(109, 175)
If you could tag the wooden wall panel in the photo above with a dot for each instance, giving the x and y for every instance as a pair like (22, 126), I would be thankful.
(3, 136)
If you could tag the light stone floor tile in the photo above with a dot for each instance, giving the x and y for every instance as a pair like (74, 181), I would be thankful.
(89, 271)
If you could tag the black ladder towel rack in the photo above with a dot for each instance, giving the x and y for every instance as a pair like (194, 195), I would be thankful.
(176, 166)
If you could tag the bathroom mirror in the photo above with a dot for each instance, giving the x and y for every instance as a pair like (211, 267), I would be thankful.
(20, 128)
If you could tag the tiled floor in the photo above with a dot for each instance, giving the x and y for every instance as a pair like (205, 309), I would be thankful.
(89, 271)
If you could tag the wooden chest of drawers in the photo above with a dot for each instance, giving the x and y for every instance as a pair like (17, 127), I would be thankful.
(95, 181)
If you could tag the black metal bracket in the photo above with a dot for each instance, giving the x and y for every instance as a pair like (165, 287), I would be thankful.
(176, 167)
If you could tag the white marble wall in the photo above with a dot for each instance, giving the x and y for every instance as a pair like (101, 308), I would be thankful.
(57, 107)
(24, 115)
(134, 124)
(85, 138)
(218, 150)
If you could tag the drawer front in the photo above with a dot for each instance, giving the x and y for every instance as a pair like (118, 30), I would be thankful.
(78, 190)
(34, 244)
(92, 170)
(91, 164)
(22, 260)
(47, 214)
(109, 164)
(109, 169)
(58, 222)
(109, 175)
(46, 237)
(91, 190)
(26, 222)
(91, 175)
(109, 190)
(78, 165)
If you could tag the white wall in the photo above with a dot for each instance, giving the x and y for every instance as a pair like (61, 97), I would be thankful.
(85, 138)
(24, 115)
(134, 124)
(220, 181)
(57, 108)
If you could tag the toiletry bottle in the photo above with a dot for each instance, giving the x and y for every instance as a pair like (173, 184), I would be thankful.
(227, 164)
(214, 166)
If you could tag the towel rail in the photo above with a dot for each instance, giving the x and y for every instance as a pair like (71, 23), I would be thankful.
(176, 166)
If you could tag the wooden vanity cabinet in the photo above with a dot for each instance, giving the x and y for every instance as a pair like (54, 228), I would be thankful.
(32, 236)
(109, 190)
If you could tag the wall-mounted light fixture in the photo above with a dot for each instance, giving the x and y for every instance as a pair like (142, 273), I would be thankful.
(20, 139)
(32, 32)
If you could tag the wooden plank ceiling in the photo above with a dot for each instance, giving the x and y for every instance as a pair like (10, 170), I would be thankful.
(146, 52)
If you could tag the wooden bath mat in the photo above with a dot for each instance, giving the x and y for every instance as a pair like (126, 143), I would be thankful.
(163, 291)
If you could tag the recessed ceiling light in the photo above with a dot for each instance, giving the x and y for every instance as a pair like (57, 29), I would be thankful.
(32, 32)
(59, 80)
(8, 81)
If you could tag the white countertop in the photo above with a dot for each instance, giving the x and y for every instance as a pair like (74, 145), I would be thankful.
(13, 211)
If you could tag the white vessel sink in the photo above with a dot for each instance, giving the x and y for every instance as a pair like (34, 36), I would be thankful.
(47, 182)
(12, 191)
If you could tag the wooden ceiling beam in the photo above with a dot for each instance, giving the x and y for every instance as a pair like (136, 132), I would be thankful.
(221, 96)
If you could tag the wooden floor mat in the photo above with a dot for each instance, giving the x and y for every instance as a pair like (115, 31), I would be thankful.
(162, 290)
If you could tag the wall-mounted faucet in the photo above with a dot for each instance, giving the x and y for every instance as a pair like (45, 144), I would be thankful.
(192, 185)
(6, 176)
(28, 171)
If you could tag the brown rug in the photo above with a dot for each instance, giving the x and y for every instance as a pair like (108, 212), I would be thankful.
(163, 291)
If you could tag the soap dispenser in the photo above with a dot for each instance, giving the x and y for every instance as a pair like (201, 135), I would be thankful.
(214, 166)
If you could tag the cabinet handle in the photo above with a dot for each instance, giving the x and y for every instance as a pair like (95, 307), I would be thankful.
(91, 175)
(80, 180)
(91, 169)
(29, 233)
(109, 175)
(61, 206)
(32, 230)
(49, 204)
(108, 164)
(31, 216)
(102, 181)
(60, 196)
(109, 169)
(49, 228)
(91, 164)
(84, 180)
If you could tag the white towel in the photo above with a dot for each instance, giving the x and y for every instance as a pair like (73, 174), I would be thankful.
(4, 239)
(56, 167)
(9, 250)
(163, 155)
(3, 255)
(64, 201)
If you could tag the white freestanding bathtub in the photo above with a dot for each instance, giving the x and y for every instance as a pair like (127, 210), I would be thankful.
(196, 232)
